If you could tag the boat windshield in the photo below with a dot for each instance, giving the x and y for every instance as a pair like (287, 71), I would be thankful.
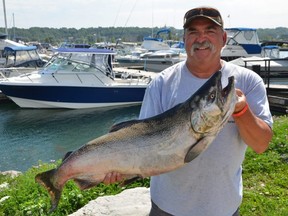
(244, 36)
(79, 62)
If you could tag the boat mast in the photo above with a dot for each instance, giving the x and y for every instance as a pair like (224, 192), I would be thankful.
(5, 20)
(152, 35)
(14, 28)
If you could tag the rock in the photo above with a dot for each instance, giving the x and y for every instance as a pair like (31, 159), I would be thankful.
(130, 202)
(11, 173)
(4, 198)
(4, 186)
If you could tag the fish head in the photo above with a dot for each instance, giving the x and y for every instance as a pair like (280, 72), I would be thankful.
(212, 105)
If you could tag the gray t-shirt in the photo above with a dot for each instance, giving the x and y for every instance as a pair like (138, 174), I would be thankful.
(211, 184)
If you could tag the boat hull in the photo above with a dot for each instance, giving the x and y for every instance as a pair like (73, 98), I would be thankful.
(39, 96)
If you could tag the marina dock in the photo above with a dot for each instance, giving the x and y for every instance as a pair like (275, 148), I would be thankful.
(278, 104)
(278, 98)
(274, 72)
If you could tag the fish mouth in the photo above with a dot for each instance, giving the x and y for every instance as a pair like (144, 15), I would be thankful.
(227, 98)
(225, 91)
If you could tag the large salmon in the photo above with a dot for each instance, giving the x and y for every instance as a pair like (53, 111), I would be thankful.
(141, 148)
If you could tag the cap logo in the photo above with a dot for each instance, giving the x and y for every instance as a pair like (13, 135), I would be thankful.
(201, 12)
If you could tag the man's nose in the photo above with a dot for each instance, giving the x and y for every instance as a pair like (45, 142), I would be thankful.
(201, 36)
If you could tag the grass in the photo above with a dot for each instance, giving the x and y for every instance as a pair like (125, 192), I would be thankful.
(265, 176)
(265, 185)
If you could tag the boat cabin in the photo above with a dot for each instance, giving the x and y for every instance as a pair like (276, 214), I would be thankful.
(22, 56)
(241, 42)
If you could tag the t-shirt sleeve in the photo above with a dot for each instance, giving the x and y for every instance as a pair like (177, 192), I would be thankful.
(258, 103)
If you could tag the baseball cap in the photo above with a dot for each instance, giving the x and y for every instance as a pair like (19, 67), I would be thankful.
(207, 12)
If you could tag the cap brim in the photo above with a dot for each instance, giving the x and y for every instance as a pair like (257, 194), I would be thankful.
(197, 16)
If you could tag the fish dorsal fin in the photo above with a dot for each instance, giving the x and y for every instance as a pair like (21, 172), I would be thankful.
(67, 155)
(121, 125)
(197, 149)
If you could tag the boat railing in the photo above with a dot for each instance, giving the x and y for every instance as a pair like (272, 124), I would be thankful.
(124, 77)
(78, 76)
(2, 76)
(133, 81)
(133, 76)
(15, 71)
(6, 73)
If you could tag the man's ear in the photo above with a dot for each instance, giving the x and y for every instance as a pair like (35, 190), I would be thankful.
(224, 38)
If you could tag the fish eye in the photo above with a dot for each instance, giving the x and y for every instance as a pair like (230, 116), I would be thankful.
(212, 95)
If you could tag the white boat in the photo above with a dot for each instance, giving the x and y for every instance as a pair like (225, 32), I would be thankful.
(155, 43)
(154, 54)
(4, 42)
(17, 58)
(152, 61)
(78, 78)
(22, 56)
(241, 42)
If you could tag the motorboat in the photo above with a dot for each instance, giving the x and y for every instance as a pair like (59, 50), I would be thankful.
(152, 61)
(156, 43)
(241, 42)
(78, 78)
(154, 54)
(17, 58)
(26, 56)
(4, 42)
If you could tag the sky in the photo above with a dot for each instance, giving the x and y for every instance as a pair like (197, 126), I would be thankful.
(138, 13)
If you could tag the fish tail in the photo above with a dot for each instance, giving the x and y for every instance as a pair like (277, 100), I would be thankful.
(45, 179)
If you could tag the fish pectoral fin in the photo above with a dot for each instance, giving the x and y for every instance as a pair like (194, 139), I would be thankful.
(121, 125)
(85, 184)
(130, 180)
(196, 149)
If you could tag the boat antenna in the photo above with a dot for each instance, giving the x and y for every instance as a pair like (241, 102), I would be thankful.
(14, 37)
(116, 18)
(130, 13)
(127, 19)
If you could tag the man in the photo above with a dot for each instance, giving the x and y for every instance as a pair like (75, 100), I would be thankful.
(211, 184)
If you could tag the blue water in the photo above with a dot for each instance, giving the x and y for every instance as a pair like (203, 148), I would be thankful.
(30, 135)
